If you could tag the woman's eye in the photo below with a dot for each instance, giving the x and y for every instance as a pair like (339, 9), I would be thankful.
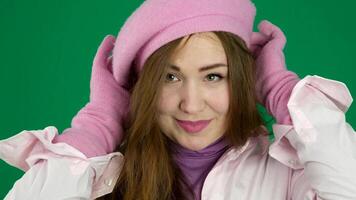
(170, 77)
(212, 77)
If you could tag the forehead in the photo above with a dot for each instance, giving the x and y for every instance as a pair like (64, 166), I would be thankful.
(200, 49)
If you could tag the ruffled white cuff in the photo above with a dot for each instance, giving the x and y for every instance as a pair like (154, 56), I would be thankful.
(57, 171)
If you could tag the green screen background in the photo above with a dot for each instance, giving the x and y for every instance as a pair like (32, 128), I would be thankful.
(47, 48)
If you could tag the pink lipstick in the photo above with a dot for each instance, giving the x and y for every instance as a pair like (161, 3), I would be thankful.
(193, 126)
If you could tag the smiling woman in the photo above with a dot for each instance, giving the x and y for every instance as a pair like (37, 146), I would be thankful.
(173, 115)
(187, 111)
(192, 96)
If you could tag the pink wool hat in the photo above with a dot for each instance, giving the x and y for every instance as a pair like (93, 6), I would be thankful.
(157, 22)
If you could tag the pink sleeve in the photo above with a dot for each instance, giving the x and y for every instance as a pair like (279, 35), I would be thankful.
(277, 97)
(97, 129)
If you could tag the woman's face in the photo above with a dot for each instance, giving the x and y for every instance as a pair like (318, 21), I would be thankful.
(193, 92)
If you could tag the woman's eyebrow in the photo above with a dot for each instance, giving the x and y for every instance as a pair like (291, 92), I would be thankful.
(204, 68)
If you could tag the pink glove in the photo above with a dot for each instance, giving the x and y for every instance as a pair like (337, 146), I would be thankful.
(274, 83)
(98, 127)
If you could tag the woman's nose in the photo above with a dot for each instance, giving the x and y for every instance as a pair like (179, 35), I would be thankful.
(192, 99)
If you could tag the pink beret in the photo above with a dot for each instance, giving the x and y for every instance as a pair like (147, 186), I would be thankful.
(157, 22)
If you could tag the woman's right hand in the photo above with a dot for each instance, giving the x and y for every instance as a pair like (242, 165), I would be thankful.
(97, 129)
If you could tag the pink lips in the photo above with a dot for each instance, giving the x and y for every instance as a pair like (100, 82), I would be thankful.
(193, 127)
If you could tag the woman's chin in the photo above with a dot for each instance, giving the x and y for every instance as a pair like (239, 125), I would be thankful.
(194, 146)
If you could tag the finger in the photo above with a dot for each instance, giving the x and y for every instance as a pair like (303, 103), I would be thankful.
(104, 50)
(255, 51)
(273, 31)
(265, 27)
(259, 39)
(109, 64)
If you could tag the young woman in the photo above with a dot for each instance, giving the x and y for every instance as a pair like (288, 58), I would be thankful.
(172, 115)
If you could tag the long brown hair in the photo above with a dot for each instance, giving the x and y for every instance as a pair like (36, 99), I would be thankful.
(149, 172)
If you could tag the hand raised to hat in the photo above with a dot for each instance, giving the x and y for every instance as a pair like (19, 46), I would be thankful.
(98, 127)
(274, 83)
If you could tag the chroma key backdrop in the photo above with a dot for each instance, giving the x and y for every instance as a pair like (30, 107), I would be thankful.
(47, 49)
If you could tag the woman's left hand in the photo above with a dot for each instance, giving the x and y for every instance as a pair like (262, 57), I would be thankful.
(274, 82)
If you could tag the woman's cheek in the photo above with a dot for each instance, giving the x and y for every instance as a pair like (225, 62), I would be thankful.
(218, 98)
(167, 100)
